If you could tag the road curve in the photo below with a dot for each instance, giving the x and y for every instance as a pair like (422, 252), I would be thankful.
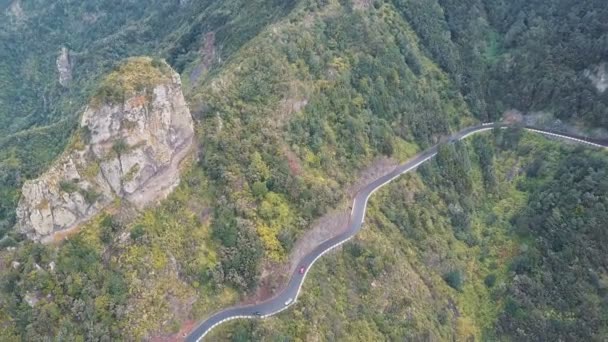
(288, 296)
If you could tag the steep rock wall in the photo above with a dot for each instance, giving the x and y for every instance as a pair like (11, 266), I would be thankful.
(131, 140)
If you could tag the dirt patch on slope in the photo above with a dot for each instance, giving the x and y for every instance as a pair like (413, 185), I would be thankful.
(208, 53)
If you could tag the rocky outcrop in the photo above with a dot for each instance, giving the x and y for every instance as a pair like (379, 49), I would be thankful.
(128, 149)
(64, 67)
(598, 75)
(16, 11)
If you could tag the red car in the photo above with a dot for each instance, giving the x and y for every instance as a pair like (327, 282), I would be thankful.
(302, 269)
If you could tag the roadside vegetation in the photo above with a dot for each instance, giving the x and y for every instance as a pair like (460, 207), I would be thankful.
(447, 255)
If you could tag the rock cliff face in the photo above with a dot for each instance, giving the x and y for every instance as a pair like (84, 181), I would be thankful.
(131, 140)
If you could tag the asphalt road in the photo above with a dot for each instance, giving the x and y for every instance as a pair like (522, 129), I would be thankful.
(288, 296)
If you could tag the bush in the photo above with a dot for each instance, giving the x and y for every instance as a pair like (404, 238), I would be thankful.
(120, 146)
(287, 239)
(454, 279)
(109, 226)
(7, 241)
(137, 232)
(68, 186)
(90, 196)
(259, 189)
(490, 280)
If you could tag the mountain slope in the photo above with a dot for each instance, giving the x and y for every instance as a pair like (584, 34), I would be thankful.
(524, 55)
(485, 243)
(292, 101)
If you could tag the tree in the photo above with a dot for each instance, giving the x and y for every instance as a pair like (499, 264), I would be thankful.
(259, 189)
(490, 280)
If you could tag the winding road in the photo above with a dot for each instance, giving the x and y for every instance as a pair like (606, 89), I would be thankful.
(289, 294)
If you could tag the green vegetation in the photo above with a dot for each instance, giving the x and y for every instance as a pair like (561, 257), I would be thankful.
(500, 238)
(103, 286)
(131, 173)
(454, 279)
(131, 77)
(90, 195)
(527, 55)
(68, 186)
(490, 280)
(413, 274)
(120, 146)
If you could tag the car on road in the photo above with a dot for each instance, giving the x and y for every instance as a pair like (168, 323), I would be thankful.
(257, 313)
(288, 301)
(302, 269)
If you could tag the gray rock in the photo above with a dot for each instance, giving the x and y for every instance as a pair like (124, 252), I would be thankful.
(31, 299)
(155, 134)
(598, 75)
(64, 67)
(16, 11)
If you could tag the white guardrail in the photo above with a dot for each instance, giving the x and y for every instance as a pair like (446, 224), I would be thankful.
(564, 137)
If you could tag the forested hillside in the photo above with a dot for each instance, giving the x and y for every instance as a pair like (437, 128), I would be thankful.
(525, 55)
(485, 243)
(292, 100)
